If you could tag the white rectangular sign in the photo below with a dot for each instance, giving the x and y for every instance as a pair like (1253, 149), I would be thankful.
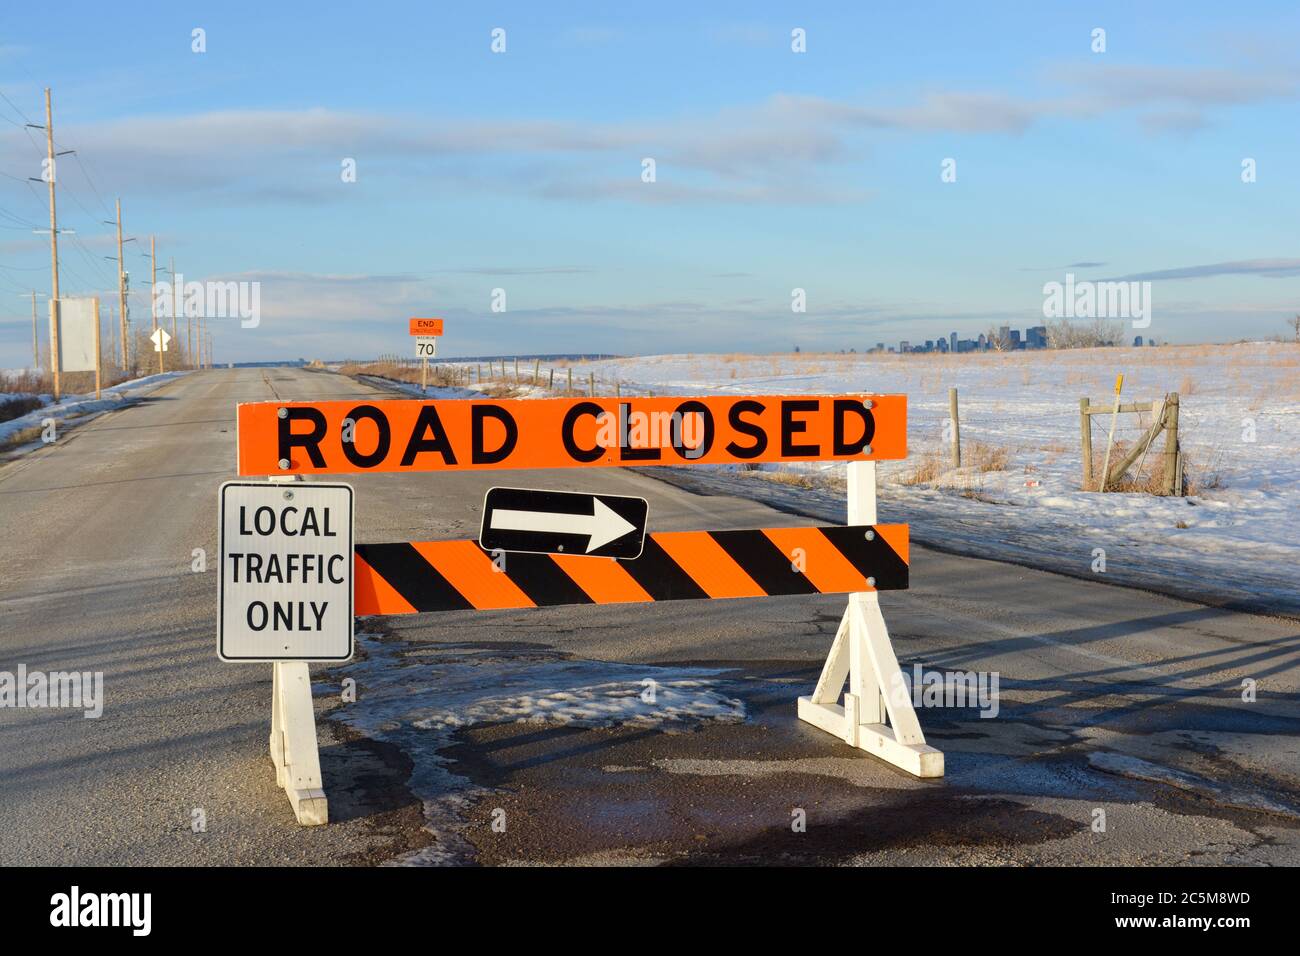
(76, 333)
(426, 346)
(286, 572)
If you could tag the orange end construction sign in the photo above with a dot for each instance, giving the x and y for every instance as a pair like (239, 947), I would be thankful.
(426, 326)
(277, 438)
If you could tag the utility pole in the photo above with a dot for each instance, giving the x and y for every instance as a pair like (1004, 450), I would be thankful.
(54, 243)
(153, 284)
(188, 353)
(49, 177)
(121, 283)
(175, 337)
(36, 348)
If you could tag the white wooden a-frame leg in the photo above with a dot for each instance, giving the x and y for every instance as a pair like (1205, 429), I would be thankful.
(863, 655)
(293, 742)
(293, 733)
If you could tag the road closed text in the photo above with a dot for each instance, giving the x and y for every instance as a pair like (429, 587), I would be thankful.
(444, 435)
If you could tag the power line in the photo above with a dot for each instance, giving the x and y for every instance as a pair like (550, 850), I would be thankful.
(14, 107)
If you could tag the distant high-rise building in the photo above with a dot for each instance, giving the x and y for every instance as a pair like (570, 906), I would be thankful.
(952, 341)
(1137, 341)
(1036, 337)
(904, 346)
(982, 342)
(880, 346)
(1015, 338)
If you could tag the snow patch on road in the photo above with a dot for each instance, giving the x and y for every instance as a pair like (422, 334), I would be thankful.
(450, 686)
(417, 696)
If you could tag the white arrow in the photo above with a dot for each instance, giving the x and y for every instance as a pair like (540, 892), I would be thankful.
(160, 338)
(603, 524)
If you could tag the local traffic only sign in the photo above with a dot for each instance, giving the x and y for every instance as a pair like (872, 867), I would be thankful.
(562, 522)
(286, 585)
(279, 438)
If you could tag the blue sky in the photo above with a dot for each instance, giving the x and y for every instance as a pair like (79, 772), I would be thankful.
(775, 170)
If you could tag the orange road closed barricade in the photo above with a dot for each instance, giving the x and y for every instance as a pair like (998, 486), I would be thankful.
(543, 547)
(297, 438)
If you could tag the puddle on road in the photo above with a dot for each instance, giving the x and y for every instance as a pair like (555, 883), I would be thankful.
(584, 764)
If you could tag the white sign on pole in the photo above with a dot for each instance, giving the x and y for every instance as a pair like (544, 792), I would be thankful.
(160, 338)
(76, 333)
(426, 346)
(286, 572)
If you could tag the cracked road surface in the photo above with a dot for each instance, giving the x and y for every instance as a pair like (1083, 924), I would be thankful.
(1115, 706)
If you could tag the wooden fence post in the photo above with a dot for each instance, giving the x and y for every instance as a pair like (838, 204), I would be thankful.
(1173, 484)
(956, 428)
(1085, 434)
(551, 383)
(570, 392)
(591, 384)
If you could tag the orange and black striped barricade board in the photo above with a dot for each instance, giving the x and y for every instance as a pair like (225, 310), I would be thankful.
(412, 577)
(279, 438)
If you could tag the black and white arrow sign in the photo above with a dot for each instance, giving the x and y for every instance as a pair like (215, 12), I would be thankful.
(563, 522)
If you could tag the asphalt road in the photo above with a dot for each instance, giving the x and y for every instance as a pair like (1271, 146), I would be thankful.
(1113, 702)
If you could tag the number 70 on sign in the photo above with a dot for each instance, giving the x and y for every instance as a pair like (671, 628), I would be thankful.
(426, 347)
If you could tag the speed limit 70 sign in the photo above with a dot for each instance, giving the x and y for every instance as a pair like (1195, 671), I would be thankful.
(426, 347)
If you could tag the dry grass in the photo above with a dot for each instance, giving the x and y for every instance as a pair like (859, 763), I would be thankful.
(443, 376)
(977, 458)
(985, 457)
(21, 437)
(438, 374)
(795, 479)
(24, 381)
(70, 383)
(17, 407)
(1199, 478)
(926, 468)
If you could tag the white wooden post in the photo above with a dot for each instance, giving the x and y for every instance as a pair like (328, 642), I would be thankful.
(294, 751)
(863, 655)
(293, 742)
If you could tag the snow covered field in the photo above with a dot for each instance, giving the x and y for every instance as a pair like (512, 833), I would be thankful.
(1235, 539)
